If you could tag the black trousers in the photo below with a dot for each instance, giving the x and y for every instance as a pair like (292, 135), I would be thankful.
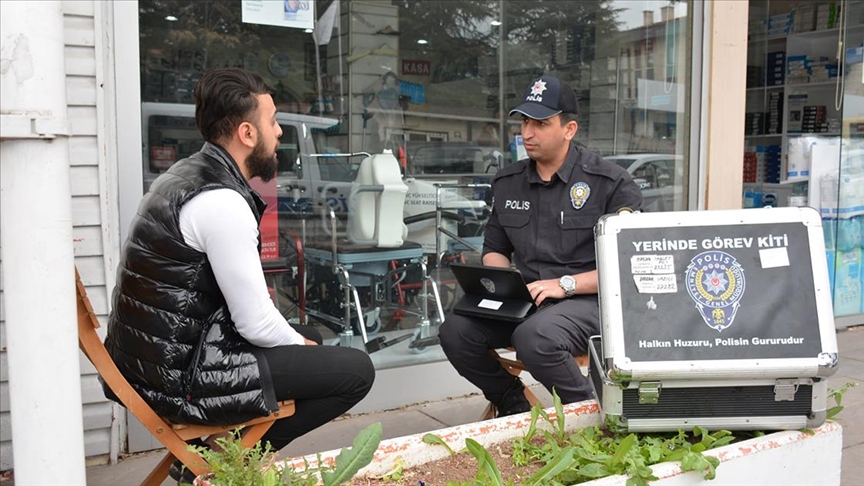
(324, 382)
(546, 343)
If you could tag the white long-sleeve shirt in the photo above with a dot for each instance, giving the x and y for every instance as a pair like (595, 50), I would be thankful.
(220, 223)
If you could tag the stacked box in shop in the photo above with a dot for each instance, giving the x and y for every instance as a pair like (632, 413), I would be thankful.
(779, 24)
(769, 166)
(762, 164)
(754, 123)
(822, 70)
(797, 102)
(814, 120)
(750, 165)
(827, 15)
(798, 69)
(803, 18)
(775, 69)
(757, 28)
(803, 69)
(772, 163)
(774, 122)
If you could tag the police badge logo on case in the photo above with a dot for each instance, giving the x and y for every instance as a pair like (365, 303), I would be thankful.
(715, 281)
(488, 284)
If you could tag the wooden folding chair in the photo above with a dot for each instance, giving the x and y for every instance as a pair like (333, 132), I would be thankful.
(173, 436)
(515, 368)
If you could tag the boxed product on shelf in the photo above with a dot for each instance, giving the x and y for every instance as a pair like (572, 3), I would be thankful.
(754, 123)
(752, 199)
(847, 282)
(814, 119)
(803, 69)
(803, 18)
(757, 27)
(797, 158)
(841, 195)
(779, 24)
(756, 195)
(822, 70)
(826, 16)
(774, 118)
(751, 164)
(829, 230)
(851, 193)
(849, 233)
(797, 101)
(768, 158)
(775, 65)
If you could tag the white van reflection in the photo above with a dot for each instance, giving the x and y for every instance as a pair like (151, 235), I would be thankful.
(659, 176)
(304, 183)
(170, 134)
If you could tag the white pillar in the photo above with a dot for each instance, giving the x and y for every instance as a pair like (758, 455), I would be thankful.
(36, 245)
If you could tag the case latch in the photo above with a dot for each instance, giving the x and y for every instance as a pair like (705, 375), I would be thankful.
(649, 392)
(784, 389)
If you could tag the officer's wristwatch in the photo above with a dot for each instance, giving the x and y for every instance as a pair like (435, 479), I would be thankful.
(568, 284)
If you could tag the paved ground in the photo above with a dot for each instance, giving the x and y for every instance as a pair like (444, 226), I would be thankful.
(436, 415)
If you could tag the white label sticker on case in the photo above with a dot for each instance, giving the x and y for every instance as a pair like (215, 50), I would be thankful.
(774, 257)
(656, 284)
(652, 264)
(490, 304)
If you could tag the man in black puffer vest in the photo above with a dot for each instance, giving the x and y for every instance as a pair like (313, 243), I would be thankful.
(193, 328)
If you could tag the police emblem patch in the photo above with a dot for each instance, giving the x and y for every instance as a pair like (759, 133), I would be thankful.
(715, 281)
(537, 91)
(488, 284)
(579, 194)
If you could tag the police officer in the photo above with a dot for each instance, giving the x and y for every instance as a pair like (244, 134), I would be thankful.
(543, 215)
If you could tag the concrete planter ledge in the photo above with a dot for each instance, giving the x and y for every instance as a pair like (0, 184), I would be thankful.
(781, 458)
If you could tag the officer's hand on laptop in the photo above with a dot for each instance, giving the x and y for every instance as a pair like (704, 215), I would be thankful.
(545, 289)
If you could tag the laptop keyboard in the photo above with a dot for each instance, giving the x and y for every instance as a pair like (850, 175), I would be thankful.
(546, 303)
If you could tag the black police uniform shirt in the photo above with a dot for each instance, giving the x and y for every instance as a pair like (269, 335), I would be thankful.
(547, 228)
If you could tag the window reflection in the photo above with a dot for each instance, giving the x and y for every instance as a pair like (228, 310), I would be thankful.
(431, 81)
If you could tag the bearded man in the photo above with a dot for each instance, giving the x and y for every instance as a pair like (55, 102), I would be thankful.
(193, 328)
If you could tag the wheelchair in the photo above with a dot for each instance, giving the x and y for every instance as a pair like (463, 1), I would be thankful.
(360, 266)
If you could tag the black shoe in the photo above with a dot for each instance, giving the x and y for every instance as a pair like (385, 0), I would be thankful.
(180, 473)
(513, 401)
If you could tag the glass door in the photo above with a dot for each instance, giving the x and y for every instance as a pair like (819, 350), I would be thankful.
(846, 189)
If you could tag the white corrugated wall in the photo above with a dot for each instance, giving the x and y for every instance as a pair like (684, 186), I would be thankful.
(92, 150)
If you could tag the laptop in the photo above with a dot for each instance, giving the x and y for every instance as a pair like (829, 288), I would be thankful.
(492, 293)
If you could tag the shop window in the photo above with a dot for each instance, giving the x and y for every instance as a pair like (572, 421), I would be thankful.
(804, 128)
(433, 82)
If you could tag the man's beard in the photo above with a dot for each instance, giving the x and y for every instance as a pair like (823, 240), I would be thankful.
(261, 163)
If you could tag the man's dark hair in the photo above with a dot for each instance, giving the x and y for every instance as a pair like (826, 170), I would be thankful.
(566, 118)
(224, 98)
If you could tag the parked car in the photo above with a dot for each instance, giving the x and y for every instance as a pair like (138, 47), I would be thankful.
(448, 158)
(659, 176)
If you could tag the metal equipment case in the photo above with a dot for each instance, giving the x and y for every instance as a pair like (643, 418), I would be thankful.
(717, 319)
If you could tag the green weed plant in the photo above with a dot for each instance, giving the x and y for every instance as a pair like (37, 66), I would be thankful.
(592, 453)
(236, 465)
